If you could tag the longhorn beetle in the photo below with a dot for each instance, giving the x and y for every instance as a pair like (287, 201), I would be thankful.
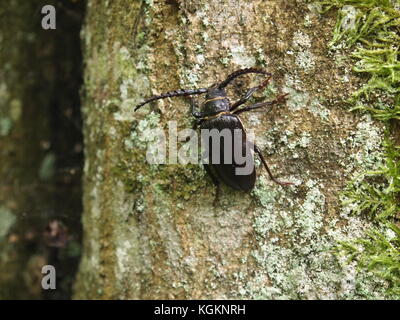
(218, 113)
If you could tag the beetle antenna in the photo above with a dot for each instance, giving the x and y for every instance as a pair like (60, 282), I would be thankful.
(240, 72)
(176, 93)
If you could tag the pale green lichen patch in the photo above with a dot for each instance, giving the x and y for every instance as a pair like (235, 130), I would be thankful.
(5, 126)
(167, 229)
(144, 133)
(7, 219)
(15, 109)
(305, 60)
(297, 97)
(128, 259)
(240, 57)
(318, 109)
(295, 249)
(367, 140)
(262, 59)
(10, 110)
(4, 97)
(123, 254)
(302, 50)
(47, 167)
(289, 240)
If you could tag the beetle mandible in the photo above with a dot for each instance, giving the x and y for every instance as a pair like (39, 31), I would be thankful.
(218, 113)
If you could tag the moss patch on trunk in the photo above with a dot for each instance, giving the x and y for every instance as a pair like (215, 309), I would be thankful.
(370, 31)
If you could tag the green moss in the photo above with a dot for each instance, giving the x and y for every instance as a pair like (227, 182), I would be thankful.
(375, 192)
(379, 252)
(370, 28)
(374, 25)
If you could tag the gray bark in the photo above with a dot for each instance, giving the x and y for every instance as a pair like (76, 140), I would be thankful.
(152, 231)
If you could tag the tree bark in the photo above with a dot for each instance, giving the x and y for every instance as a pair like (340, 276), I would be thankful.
(153, 231)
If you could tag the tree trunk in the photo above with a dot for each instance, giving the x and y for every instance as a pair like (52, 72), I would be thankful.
(153, 231)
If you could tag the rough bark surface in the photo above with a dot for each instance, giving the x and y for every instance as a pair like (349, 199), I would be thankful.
(152, 231)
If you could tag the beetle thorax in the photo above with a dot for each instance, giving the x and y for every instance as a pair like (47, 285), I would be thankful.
(216, 101)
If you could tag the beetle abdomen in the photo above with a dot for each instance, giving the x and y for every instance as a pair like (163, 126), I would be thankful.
(238, 173)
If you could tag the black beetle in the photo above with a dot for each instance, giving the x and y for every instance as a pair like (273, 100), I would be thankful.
(218, 113)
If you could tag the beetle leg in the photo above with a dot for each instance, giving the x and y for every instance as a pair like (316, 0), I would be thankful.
(282, 183)
(240, 72)
(212, 175)
(197, 123)
(249, 93)
(196, 114)
(244, 99)
(214, 180)
(262, 104)
(194, 107)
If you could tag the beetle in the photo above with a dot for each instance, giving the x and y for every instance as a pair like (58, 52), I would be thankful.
(218, 113)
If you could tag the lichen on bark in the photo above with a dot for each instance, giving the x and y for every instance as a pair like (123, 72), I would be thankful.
(152, 231)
